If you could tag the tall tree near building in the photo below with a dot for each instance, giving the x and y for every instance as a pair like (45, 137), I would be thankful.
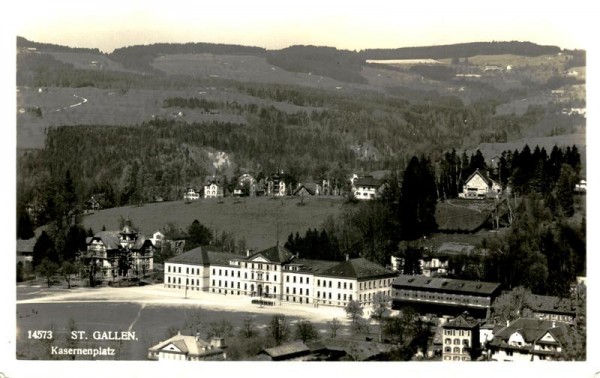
(198, 235)
(564, 190)
(48, 270)
(419, 199)
(354, 310)
(305, 331)
(278, 329)
(44, 249)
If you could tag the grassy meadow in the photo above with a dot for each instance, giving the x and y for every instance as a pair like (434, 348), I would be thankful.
(254, 219)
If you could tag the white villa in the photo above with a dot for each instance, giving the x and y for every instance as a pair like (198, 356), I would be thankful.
(275, 275)
(480, 186)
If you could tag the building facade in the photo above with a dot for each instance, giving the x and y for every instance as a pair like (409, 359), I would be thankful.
(461, 339)
(530, 340)
(444, 296)
(276, 275)
(366, 188)
(480, 186)
(187, 348)
(113, 254)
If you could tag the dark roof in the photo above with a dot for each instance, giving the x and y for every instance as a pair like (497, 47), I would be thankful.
(274, 254)
(368, 181)
(311, 188)
(292, 349)
(110, 239)
(196, 256)
(222, 258)
(314, 266)
(202, 256)
(26, 245)
(532, 330)
(357, 268)
(551, 305)
(462, 322)
(483, 175)
(446, 284)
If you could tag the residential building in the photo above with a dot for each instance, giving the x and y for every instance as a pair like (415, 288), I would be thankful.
(366, 187)
(25, 251)
(157, 239)
(531, 340)
(276, 186)
(552, 308)
(187, 348)
(429, 266)
(276, 275)
(112, 254)
(461, 339)
(212, 190)
(191, 195)
(480, 186)
(444, 296)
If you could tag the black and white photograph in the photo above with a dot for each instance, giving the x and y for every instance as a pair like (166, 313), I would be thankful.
(399, 188)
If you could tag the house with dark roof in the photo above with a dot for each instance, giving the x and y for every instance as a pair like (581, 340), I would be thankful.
(366, 187)
(552, 308)
(479, 186)
(276, 275)
(114, 254)
(444, 296)
(531, 340)
(25, 251)
(292, 351)
(187, 348)
(461, 339)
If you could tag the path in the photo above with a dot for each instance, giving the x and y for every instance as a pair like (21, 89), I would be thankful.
(84, 100)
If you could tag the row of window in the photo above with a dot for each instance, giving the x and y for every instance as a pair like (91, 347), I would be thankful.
(188, 270)
(450, 298)
(188, 281)
(457, 342)
(340, 296)
(457, 332)
(306, 292)
(300, 279)
(456, 350)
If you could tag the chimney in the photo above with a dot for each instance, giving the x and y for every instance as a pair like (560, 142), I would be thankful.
(248, 252)
(198, 336)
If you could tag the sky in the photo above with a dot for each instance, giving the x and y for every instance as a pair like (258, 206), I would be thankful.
(350, 24)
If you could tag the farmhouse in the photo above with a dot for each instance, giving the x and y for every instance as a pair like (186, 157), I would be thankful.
(444, 296)
(275, 275)
(111, 254)
(366, 187)
(187, 348)
(479, 186)
(530, 340)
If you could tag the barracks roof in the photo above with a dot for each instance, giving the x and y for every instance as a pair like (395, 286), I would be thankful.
(357, 268)
(446, 284)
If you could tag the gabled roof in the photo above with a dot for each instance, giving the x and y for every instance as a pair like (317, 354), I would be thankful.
(483, 176)
(359, 268)
(274, 254)
(190, 345)
(446, 284)
(531, 330)
(311, 188)
(110, 239)
(462, 322)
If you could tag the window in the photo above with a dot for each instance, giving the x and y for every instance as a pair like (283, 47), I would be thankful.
(178, 269)
(274, 289)
(294, 279)
(339, 285)
(187, 270)
(287, 290)
(275, 278)
(318, 282)
(220, 272)
(169, 279)
(287, 279)
(448, 350)
(329, 295)
(169, 269)
(448, 340)
(344, 285)
(456, 350)
(339, 296)
(300, 279)
(307, 280)
(307, 293)
(456, 341)
(294, 290)
(329, 283)
(350, 285)
(245, 275)
(213, 283)
(300, 291)
(350, 297)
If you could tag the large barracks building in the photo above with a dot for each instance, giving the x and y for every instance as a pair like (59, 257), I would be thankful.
(275, 275)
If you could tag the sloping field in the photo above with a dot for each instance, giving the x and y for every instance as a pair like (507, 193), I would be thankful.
(462, 215)
(254, 219)
(89, 61)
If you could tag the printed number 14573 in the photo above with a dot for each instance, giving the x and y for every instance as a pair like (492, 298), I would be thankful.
(38, 334)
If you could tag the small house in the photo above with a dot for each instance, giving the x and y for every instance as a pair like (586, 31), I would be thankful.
(480, 186)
